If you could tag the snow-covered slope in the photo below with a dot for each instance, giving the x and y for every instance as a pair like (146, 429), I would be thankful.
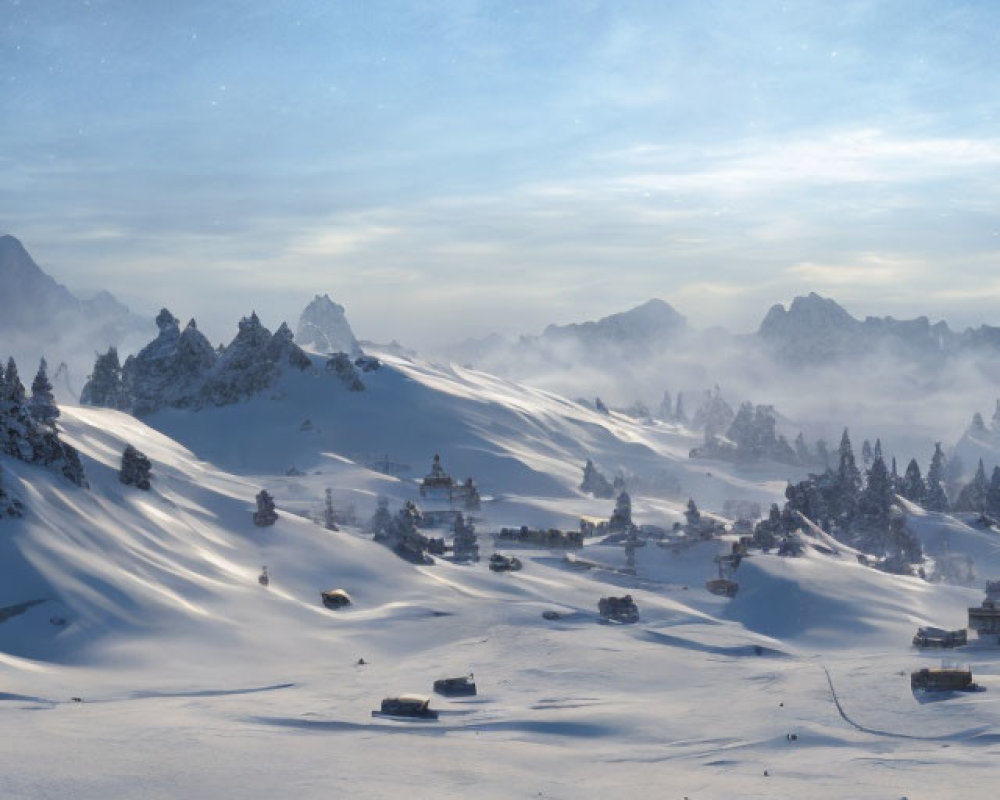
(197, 681)
(525, 445)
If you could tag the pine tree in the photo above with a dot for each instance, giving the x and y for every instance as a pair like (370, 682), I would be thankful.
(136, 468)
(12, 384)
(104, 386)
(874, 507)
(993, 494)
(914, 488)
(996, 417)
(621, 517)
(848, 483)
(692, 514)
(767, 531)
(265, 513)
(973, 495)
(10, 506)
(43, 403)
(936, 497)
(329, 514)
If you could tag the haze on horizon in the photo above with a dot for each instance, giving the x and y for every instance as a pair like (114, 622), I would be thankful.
(447, 169)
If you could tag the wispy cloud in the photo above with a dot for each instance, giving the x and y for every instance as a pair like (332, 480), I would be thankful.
(867, 269)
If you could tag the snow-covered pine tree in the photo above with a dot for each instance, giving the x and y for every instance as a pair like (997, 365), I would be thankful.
(692, 514)
(17, 428)
(973, 496)
(936, 498)
(993, 494)
(464, 545)
(848, 484)
(43, 406)
(265, 513)
(806, 498)
(621, 517)
(12, 384)
(10, 506)
(136, 469)
(340, 364)
(914, 487)
(329, 513)
(104, 386)
(874, 505)
(767, 532)
(600, 407)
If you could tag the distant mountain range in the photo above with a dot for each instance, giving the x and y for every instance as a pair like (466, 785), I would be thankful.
(811, 330)
(31, 301)
(815, 328)
(39, 316)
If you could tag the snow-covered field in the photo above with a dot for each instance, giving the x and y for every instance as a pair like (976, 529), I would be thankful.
(195, 681)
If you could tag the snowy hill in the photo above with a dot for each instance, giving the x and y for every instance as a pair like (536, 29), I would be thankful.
(152, 615)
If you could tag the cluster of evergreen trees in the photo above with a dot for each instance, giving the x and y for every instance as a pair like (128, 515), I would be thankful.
(752, 436)
(858, 508)
(28, 424)
(399, 532)
(980, 495)
(181, 369)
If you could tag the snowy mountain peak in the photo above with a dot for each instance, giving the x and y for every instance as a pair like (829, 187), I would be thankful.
(806, 314)
(29, 299)
(654, 319)
(323, 326)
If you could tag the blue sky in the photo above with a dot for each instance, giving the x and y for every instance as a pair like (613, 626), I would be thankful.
(451, 168)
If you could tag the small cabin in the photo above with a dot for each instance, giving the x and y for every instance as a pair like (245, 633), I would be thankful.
(408, 705)
(502, 563)
(942, 680)
(618, 609)
(465, 686)
(938, 637)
